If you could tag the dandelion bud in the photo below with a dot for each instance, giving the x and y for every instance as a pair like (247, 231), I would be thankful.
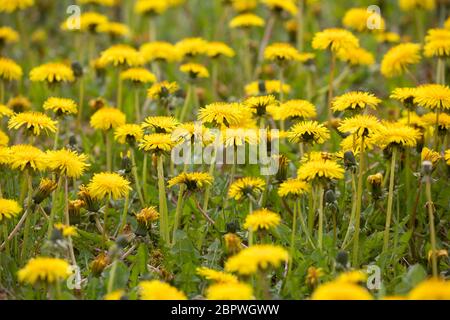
(349, 160)
(126, 163)
(145, 218)
(232, 243)
(262, 86)
(313, 276)
(75, 211)
(375, 181)
(77, 69)
(427, 168)
(283, 163)
(90, 204)
(99, 264)
(46, 187)
(430, 155)
(97, 103)
(330, 196)
(342, 259)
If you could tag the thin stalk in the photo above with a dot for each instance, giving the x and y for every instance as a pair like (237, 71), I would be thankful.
(281, 78)
(300, 25)
(2, 92)
(359, 203)
(136, 178)
(119, 90)
(430, 207)
(293, 232)
(58, 129)
(215, 78)
(105, 222)
(266, 38)
(164, 226)
(80, 104)
(178, 211)
(26, 232)
(331, 84)
(390, 200)
(144, 176)
(137, 107)
(54, 208)
(124, 216)
(67, 219)
(186, 104)
(108, 151)
(112, 276)
(212, 168)
(320, 194)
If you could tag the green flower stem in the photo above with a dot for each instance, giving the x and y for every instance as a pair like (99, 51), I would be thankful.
(303, 224)
(281, 78)
(2, 92)
(436, 129)
(178, 211)
(119, 90)
(300, 25)
(58, 129)
(163, 215)
(246, 56)
(212, 168)
(105, 222)
(26, 232)
(359, 202)
(108, 139)
(390, 200)
(137, 107)
(215, 78)
(54, 208)
(320, 194)
(80, 104)
(151, 29)
(144, 177)
(311, 211)
(430, 207)
(136, 178)
(186, 104)
(67, 219)
(331, 84)
(124, 216)
(293, 233)
(5, 237)
(112, 276)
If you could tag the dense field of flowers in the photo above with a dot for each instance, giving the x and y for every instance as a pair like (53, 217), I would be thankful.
(224, 149)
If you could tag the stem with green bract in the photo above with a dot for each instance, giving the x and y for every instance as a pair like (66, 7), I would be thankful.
(164, 225)
(390, 200)
(359, 202)
(430, 208)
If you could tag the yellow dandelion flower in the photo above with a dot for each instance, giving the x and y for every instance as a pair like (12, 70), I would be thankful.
(447, 157)
(320, 169)
(281, 5)
(4, 139)
(114, 29)
(437, 43)
(266, 87)
(194, 70)
(107, 118)
(52, 73)
(89, 21)
(5, 155)
(192, 180)
(410, 5)
(191, 47)
(246, 20)
(193, 131)
(404, 95)
(432, 289)
(159, 51)
(9, 209)
(430, 155)
(106, 3)
(147, 215)
(151, 7)
(335, 39)
(158, 290)
(293, 188)
(34, 122)
(43, 269)
(128, 134)
(244, 5)
(161, 124)
(9, 70)
(217, 276)
(238, 136)
(27, 157)
(355, 100)
(358, 18)
(107, 184)
(353, 143)
(138, 75)
(219, 49)
(157, 143)
(10, 6)
(256, 258)
(356, 57)
(121, 55)
(309, 132)
(430, 120)
(340, 291)
(361, 125)
(115, 295)
(260, 104)
(161, 90)
(433, 96)
(66, 231)
(230, 291)
(313, 275)
(5, 111)
(19, 104)
(354, 276)
(399, 58)
(220, 113)
(247, 186)
(294, 109)
(262, 219)
(60, 106)
(396, 134)
(281, 53)
(8, 35)
(387, 37)
(67, 162)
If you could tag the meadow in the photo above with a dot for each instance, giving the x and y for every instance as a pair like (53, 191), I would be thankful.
(224, 150)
